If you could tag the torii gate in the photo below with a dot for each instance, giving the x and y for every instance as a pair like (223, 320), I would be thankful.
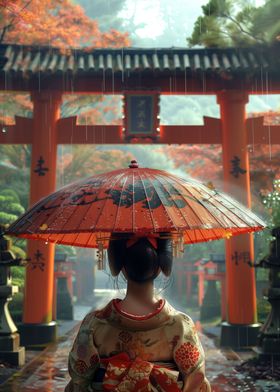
(230, 74)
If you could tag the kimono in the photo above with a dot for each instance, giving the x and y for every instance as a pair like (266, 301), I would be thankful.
(118, 351)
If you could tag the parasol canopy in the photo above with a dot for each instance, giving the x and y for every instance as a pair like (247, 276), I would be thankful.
(134, 200)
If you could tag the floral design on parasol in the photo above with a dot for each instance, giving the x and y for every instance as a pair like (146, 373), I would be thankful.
(134, 200)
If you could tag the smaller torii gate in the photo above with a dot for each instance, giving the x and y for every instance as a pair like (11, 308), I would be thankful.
(230, 74)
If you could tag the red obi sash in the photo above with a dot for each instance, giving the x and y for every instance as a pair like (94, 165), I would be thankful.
(126, 375)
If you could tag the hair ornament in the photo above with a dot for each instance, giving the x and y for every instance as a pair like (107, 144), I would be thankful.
(102, 245)
(178, 246)
(151, 238)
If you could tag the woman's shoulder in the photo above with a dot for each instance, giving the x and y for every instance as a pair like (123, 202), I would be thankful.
(179, 319)
(96, 315)
(178, 314)
(184, 318)
(104, 312)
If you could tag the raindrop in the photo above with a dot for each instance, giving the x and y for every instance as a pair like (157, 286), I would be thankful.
(261, 71)
(122, 67)
(203, 82)
(113, 81)
(39, 71)
(267, 92)
(6, 75)
(103, 81)
(4, 130)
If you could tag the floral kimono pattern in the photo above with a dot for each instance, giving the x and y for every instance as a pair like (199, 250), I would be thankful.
(135, 353)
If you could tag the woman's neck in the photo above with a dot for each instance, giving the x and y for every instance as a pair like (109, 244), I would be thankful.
(140, 298)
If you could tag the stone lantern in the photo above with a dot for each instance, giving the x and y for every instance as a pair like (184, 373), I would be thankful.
(63, 289)
(10, 349)
(269, 337)
(211, 302)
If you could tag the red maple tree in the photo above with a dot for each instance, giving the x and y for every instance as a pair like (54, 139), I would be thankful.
(59, 23)
(205, 161)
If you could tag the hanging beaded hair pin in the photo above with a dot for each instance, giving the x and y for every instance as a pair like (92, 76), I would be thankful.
(103, 240)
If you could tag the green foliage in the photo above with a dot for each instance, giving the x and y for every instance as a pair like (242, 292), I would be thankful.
(263, 308)
(15, 208)
(16, 307)
(15, 181)
(69, 250)
(194, 252)
(272, 203)
(19, 249)
(18, 277)
(10, 207)
(17, 154)
(262, 274)
(10, 193)
(6, 200)
(262, 240)
(6, 218)
(10, 210)
(232, 23)
(267, 20)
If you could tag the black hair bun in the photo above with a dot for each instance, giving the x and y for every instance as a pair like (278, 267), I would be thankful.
(116, 251)
(165, 255)
(140, 260)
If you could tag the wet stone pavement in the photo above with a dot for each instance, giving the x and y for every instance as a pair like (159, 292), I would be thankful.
(223, 376)
(47, 372)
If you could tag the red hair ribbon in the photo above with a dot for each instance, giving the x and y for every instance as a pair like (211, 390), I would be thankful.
(151, 238)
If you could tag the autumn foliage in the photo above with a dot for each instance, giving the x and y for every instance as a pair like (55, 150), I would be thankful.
(205, 161)
(59, 23)
(82, 161)
(63, 24)
(12, 104)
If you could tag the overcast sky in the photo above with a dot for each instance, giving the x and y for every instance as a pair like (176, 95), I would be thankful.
(147, 11)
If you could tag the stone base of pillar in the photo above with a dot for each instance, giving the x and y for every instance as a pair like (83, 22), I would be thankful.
(11, 351)
(15, 358)
(268, 345)
(9, 342)
(267, 356)
(239, 336)
(37, 335)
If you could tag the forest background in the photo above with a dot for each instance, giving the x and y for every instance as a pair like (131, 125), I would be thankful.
(161, 23)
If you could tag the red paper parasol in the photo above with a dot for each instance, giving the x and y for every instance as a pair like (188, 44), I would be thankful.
(134, 200)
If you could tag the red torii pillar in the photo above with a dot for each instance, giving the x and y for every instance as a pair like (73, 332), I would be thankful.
(240, 328)
(38, 327)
